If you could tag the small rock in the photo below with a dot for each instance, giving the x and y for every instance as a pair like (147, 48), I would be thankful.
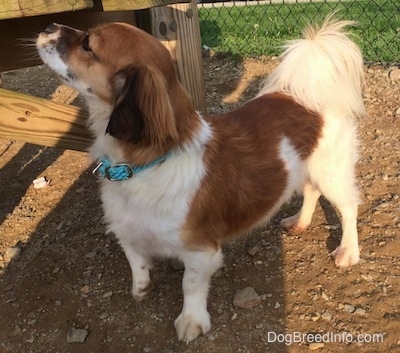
(234, 316)
(253, 251)
(104, 316)
(315, 317)
(11, 253)
(91, 255)
(85, 289)
(359, 311)
(277, 305)
(326, 316)
(246, 298)
(394, 75)
(315, 345)
(108, 294)
(349, 308)
(397, 112)
(30, 340)
(76, 335)
(324, 296)
(40, 183)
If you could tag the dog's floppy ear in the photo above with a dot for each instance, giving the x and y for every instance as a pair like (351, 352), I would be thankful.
(142, 110)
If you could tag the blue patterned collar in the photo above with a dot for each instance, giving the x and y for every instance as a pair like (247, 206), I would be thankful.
(123, 171)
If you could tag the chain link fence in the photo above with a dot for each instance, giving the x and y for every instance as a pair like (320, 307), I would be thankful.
(257, 28)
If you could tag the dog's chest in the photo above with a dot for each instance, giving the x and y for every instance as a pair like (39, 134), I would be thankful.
(149, 210)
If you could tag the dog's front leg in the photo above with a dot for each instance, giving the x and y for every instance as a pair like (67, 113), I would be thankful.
(140, 267)
(194, 318)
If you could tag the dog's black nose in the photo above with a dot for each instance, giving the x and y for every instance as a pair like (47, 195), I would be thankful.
(51, 28)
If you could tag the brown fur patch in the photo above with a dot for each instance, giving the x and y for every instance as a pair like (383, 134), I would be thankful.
(245, 176)
(152, 111)
(169, 120)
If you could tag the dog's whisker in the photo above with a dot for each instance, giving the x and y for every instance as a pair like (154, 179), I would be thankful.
(27, 42)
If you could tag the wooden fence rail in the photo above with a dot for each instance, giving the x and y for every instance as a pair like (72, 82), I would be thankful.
(42, 122)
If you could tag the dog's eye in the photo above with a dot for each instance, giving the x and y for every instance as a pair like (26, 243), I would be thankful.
(85, 44)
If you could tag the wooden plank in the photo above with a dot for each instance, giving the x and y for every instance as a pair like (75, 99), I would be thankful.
(17, 34)
(42, 122)
(177, 26)
(24, 8)
(113, 5)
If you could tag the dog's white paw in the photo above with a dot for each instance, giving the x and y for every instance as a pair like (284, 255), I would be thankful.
(141, 289)
(293, 224)
(190, 325)
(346, 256)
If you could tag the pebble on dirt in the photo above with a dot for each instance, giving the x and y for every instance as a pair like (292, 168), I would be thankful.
(360, 311)
(326, 316)
(246, 298)
(76, 335)
(349, 308)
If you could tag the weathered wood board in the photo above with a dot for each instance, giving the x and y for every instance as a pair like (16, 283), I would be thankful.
(24, 8)
(113, 5)
(42, 122)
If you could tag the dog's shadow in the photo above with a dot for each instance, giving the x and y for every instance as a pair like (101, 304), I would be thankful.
(334, 222)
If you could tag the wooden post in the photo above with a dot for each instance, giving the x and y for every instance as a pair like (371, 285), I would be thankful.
(177, 27)
(42, 122)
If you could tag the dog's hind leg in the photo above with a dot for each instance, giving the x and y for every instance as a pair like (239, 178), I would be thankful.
(302, 219)
(347, 253)
(194, 318)
(343, 194)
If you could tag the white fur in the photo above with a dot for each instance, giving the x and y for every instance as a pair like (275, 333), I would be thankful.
(48, 53)
(194, 318)
(147, 212)
(324, 73)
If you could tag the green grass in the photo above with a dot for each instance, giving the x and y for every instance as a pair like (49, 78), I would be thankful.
(262, 29)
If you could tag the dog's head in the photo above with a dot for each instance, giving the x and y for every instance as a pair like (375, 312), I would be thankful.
(126, 68)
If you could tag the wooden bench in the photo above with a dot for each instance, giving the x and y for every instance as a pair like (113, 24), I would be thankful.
(40, 121)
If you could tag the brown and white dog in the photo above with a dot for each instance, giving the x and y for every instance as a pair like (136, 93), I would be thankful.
(179, 184)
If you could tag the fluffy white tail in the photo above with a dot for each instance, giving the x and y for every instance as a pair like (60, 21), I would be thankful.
(323, 71)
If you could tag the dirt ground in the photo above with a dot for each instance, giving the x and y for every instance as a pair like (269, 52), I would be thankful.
(61, 275)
